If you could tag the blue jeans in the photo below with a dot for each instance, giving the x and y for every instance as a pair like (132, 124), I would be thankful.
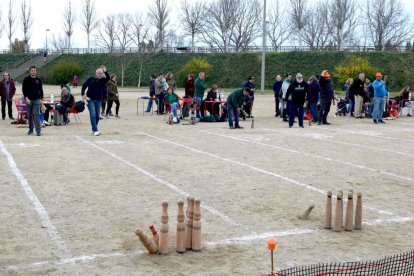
(371, 107)
(230, 110)
(379, 104)
(33, 113)
(282, 107)
(351, 106)
(94, 107)
(295, 110)
(314, 110)
(174, 107)
(199, 102)
(150, 100)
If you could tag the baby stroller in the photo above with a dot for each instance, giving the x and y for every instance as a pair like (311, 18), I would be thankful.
(341, 108)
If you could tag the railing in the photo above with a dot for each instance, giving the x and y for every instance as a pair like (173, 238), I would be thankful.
(208, 49)
(14, 64)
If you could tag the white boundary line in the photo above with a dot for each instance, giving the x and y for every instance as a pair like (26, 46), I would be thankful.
(361, 132)
(213, 211)
(288, 179)
(41, 211)
(312, 155)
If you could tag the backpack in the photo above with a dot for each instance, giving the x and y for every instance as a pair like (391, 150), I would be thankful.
(80, 106)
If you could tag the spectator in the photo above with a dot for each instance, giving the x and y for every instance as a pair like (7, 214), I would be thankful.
(350, 96)
(33, 93)
(313, 98)
(277, 88)
(369, 90)
(75, 81)
(170, 81)
(104, 99)
(172, 99)
(151, 93)
(66, 102)
(66, 84)
(297, 91)
(284, 103)
(358, 90)
(234, 103)
(200, 88)
(96, 87)
(113, 96)
(380, 92)
(405, 97)
(212, 95)
(327, 93)
(7, 91)
(249, 100)
(159, 92)
(189, 86)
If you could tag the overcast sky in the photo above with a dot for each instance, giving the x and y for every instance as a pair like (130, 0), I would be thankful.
(47, 14)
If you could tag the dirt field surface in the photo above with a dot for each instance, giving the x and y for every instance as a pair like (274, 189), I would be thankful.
(70, 201)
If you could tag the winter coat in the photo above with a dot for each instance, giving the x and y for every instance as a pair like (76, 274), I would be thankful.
(158, 85)
(313, 96)
(112, 91)
(96, 87)
(326, 88)
(12, 89)
(200, 87)
(358, 88)
(32, 88)
(277, 86)
(236, 98)
(171, 98)
(298, 92)
(380, 89)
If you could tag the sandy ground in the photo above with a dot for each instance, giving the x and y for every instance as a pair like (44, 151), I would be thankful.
(70, 201)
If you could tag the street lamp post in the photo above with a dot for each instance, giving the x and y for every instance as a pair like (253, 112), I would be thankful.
(262, 75)
(47, 30)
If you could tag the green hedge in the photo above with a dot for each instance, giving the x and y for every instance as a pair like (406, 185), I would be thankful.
(231, 70)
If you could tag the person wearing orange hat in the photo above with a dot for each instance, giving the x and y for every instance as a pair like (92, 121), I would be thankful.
(327, 93)
(380, 92)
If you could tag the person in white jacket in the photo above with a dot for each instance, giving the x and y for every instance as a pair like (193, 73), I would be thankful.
(285, 85)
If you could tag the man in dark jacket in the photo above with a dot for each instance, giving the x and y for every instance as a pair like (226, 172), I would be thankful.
(96, 88)
(249, 99)
(277, 87)
(298, 89)
(326, 96)
(358, 89)
(7, 91)
(313, 97)
(234, 103)
(151, 93)
(33, 93)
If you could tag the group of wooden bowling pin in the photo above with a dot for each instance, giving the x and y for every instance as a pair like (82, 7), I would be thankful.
(188, 233)
(349, 217)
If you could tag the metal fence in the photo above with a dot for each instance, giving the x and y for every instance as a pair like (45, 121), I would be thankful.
(207, 49)
(397, 265)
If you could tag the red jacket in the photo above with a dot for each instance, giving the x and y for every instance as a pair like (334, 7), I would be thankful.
(3, 90)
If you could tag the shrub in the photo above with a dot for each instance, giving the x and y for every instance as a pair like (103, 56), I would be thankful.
(351, 67)
(64, 70)
(194, 66)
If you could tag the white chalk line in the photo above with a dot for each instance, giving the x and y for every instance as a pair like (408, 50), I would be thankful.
(392, 152)
(41, 211)
(165, 183)
(290, 180)
(365, 168)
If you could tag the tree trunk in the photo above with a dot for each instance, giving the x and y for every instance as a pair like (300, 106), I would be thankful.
(300, 39)
(139, 74)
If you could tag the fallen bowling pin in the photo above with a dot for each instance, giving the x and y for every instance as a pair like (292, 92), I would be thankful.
(306, 214)
(149, 245)
(155, 235)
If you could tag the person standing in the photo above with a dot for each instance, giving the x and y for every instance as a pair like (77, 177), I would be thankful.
(169, 77)
(277, 86)
(159, 92)
(200, 87)
(151, 93)
(358, 90)
(75, 81)
(284, 102)
(369, 90)
(380, 92)
(249, 100)
(33, 94)
(234, 103)
(327, 93)
(95, 89)
(7, 91)
(189, 86)
(298, 90)
(113, 96)
(313, 98)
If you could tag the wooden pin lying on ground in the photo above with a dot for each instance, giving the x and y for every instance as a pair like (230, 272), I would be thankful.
(306, 214)
(149, 245)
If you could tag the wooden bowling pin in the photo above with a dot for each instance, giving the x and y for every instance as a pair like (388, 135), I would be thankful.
(338, 214)
(306, 214)
(163, 247)
(196, 237)
(342, 207)
(155, 235)
(149, 245)
(252, 125)
(358, 213)
(328, 211)
(189, 225)
(180, 228)
(349, 217)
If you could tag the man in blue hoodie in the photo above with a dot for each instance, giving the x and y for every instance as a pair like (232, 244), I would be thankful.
(380, 92)
(96, 88)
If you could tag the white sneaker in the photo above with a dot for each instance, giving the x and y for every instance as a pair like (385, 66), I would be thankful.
(175, 119)
(96, 133)
(197, 120)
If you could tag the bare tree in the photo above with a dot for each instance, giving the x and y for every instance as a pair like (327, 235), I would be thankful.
(69, 18)
(27, 21)
(193, 16)
(247, 25)
(124, 39)
(344, 14)
(59, 42)
(277, 28)
(139, 35)
(299, 17)
(11, 26)
(387, 22)
(106, 36)
(318, 30)
(89, 20)
(1, 24)
(219, 28)
(159, 15)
